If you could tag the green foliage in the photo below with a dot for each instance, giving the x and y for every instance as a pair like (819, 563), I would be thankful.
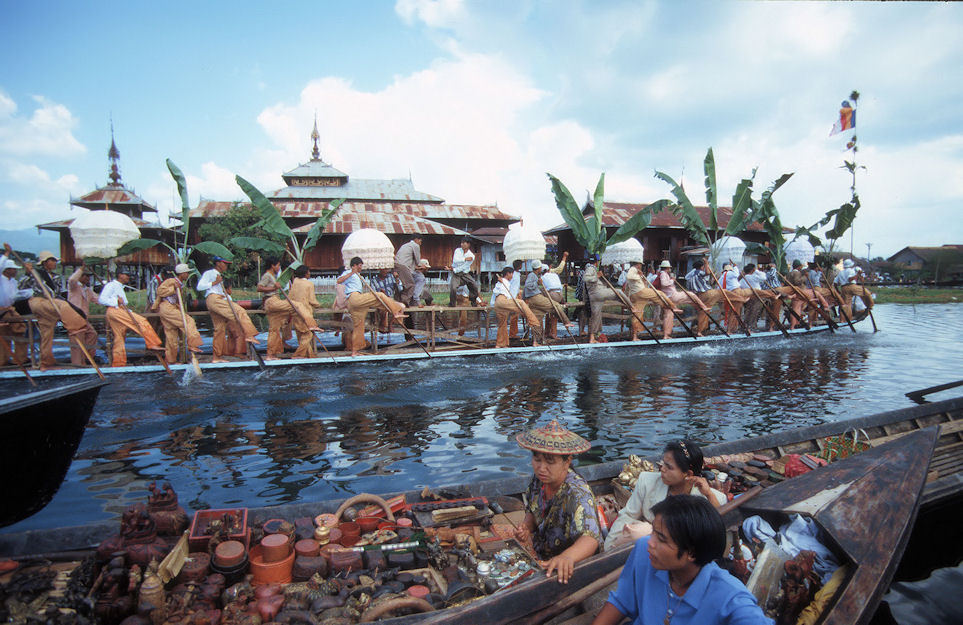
(764, 211)
(685, 211)
(589, 232)
(138, 245)
(242, 221)
(709, 167)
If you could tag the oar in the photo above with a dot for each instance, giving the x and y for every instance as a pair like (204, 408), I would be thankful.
(391, 317)
(839, 301)
(698, 302)
(558, 311)
(725, 296)
(628, 303)
(669, 305)
(197, 366)
(775, 318)
(820, 304)
(133, 321)
(49, 296)
(282, 295)
(521, 313)
(869, 309)
(237, 320)
(21, 367)
(813, 305)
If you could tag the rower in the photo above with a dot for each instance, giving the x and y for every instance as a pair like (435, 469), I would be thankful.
(173, 317)
(421, 278)
(729, 282)
(303, 299)
(121, 318)
(665, 282)
(47, 313)
(561, 516)
(753, 280)
(553, 286)
(79, 295)
(461, 262)
(639, 295)
(506, 304)
(598, 294)
(697, 281)
(539, 304)
(850, 288)
(277, 311)
(670, 576)
(407, 260)
(12, 328)
(224, 311)
(359, 302)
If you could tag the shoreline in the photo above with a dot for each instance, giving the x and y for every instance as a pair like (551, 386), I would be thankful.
(917, 295)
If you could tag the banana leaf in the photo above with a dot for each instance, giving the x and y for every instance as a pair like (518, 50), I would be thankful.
(181, 181)
(213, 248)
(318, 228)
(271, 218)
(741, 206)
(288, 272)
(683, 209)
(638, 222)
(596, 231)
(712, 191)
(137, 245)
(260, 245)
(844, 216)
(570, 211)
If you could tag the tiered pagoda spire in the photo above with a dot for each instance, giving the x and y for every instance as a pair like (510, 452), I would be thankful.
(315, 153)
(113, 156)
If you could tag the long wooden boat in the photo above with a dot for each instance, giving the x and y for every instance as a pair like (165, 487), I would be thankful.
(866, 504)
(447, 350)
(41, 433)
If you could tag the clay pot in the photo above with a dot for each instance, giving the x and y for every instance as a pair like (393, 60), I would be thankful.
(307, 547)
(368, 523)
(270, 572)
(275, 547)
(229, 553)
(232, 574)
(350, 533)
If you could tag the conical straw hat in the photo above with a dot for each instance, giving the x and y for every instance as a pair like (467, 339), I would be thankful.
(553, 439)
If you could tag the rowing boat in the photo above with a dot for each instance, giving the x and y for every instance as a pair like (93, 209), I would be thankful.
(41, 433)
(868, 531)
(442, 351)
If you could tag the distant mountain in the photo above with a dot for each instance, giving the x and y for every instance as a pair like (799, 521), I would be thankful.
(28, 240)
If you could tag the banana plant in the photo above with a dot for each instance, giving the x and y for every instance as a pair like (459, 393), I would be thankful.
(745, 210)
(272, 222)
(765, 212)
(181, 253)
(589, 232)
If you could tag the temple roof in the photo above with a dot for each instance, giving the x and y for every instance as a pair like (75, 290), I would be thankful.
(394, 190)
(112, 195)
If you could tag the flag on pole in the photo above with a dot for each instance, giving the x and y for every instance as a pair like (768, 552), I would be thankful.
(846, 121)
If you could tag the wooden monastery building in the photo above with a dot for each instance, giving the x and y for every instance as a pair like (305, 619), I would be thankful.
(393, 207)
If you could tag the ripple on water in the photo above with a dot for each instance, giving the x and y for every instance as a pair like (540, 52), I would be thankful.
(233, 437)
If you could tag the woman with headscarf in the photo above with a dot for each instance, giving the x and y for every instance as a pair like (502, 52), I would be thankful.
(561, 516)
(680, 473)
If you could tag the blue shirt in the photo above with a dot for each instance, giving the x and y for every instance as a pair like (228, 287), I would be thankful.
(352, 284)
(715, 596)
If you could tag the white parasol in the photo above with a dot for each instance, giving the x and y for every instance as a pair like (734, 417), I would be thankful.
(100, 233)
(523, 243)
(373, 246)
(629, 251)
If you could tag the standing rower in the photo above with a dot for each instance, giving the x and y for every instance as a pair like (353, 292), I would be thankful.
(304, 301)
(12, 327)
(223, 310)
(406, 266)
(506, 304)
(173, 316)
(639, 295)
(461, 262)
(121, 318)
(359, 302)
(278, 311)
(539, 304)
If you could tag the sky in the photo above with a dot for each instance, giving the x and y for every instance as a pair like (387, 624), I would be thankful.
(477, 101)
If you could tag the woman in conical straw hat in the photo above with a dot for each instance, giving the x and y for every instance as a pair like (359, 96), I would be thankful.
(561, 516)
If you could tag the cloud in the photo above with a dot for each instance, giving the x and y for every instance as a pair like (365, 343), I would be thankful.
(434, 13)
(47, 132)
(44, 198)
(214, 183)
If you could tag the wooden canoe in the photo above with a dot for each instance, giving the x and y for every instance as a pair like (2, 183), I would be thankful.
(41, 433)
(407, 352)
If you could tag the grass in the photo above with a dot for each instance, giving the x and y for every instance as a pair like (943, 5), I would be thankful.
(917, 295)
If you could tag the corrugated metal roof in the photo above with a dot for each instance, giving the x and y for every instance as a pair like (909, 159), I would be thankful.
(396, 190)
(614, 214)
(111, 195)
(315, 168)
(64, 224)
(355, 216)
(308, 210)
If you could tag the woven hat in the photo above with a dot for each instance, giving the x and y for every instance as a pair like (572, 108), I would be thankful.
(7, 263)
(665, 265)
(182, 268)
(848, 263)
(424, 263)
(553, 439)
(536, 265)
(45, 255)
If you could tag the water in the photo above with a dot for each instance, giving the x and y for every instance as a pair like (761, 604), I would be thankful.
(249, 438)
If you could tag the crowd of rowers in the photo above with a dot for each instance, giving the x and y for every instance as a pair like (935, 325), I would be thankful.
(671, 517)
(741, 296)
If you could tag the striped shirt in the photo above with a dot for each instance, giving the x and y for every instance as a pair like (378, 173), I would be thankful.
(696, 281)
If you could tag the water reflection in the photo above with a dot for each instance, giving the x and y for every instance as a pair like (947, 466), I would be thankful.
(233, 438)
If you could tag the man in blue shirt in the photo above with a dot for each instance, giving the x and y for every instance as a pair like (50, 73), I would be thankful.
(670, 577)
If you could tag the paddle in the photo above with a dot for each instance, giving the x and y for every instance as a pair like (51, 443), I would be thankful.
(391, 317)
(628, 303)
(49, 296)
(774, 318)
(725, 296)
(810, 303)
(695, 300)
(280, 292)
(180, 302)
(819, 303)
(237, 320)
(869, 309)
(842, 309)
(558, 311)
(522, 314)
(669, 306)
(133, 321)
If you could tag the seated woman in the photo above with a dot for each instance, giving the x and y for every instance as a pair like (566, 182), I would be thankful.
(680, 473)
(561, 516)
(670, 576)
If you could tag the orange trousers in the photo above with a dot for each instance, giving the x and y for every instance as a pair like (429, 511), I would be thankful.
(120, 321)
(173, 322)
(47, 317)
(358, 305)
(221, 316)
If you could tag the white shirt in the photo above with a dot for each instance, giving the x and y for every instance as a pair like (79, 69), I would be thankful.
(113, 291)
(844, 276)
(206, 283)
(352, 284)
(756, 279)
(730, 279)
(9, 293)
(462, 260)
(500, 289)
(551, 281)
